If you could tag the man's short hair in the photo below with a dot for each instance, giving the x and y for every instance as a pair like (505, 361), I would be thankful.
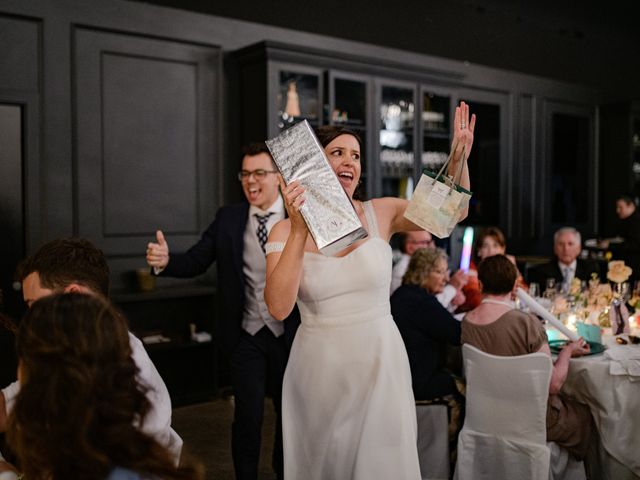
(255, 148)
(497, 274)
(64, 261)
(628, 199)
(567, 230)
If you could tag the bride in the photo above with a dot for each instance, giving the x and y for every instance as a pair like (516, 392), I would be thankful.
(347, 405)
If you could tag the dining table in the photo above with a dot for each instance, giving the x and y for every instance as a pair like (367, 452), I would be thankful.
(609, 383)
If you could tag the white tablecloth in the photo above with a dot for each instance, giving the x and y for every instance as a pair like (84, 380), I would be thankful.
(609, 384)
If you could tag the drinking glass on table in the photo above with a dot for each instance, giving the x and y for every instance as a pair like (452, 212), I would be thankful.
(534, 290)
(550, 292)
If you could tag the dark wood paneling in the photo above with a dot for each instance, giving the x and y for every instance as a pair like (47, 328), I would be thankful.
(19, 54)
(146, 122)
(569, 189)
(525, 171)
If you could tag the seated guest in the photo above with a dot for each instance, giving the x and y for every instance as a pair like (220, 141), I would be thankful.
(451, 295)
(80, 398)
(427, 328)
(567, 245)
(496, 327)
(76, 265)
(489, 242)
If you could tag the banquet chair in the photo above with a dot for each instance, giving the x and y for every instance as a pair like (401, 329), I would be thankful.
(433, 441)
(504, 432)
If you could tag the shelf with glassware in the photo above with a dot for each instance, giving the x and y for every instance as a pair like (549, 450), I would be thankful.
(436, 136)
(347, 105)
(397, 138)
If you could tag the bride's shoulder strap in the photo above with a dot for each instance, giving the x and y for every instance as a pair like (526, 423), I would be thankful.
(370, 213)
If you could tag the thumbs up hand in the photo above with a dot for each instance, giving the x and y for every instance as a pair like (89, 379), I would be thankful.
(158, 253)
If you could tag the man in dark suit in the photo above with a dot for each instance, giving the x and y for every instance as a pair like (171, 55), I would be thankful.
(567, 245)
(629, 229)
(253, 340)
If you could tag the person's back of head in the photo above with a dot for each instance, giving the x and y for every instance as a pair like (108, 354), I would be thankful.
(80, 402)
(497, 274)
(65, 261)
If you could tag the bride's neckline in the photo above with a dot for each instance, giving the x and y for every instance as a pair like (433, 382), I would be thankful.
(319, 254)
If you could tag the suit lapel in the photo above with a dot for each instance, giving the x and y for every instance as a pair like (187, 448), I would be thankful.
(240, 216)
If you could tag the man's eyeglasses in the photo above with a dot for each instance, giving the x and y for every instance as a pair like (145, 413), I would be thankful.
(260, 174)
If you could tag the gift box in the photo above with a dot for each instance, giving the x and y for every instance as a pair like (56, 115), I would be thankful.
(330, 216)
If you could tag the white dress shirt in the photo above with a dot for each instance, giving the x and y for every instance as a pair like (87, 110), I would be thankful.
(157, 423)
(568, 274)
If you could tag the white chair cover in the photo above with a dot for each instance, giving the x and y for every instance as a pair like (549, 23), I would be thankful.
(433, 441)
(504, 433)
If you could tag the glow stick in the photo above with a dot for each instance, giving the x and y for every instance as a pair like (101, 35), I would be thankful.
(467, 244)
(540, 310)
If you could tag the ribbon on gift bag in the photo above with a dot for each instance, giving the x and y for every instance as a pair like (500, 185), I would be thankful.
(438, 200)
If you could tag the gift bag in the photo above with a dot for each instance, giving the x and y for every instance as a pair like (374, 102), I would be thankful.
(438, 201)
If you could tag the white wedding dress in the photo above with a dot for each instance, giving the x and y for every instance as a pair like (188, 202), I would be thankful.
(347, 406)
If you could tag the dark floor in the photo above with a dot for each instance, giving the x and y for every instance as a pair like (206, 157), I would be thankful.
(206, 431)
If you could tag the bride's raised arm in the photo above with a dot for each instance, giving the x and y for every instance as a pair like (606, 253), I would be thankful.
(463, 127)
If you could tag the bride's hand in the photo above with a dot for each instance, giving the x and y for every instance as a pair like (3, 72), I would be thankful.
(293, 195)
(463, 128)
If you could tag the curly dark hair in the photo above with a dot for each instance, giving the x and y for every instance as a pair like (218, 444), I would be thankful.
(68, 260)
(328, 133)
(80, 403)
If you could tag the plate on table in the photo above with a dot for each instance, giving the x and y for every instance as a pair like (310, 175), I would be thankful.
(556, 345)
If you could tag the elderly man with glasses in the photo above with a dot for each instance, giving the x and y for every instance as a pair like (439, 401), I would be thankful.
(252, 339)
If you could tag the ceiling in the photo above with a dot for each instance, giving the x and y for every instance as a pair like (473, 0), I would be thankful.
(587, 42)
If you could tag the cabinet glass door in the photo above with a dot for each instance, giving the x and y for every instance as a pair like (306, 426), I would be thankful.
(436, 140)
(635, 145)
(349, 108)
(298, 98)
(397, 142)
(570, 178)
(486, 204)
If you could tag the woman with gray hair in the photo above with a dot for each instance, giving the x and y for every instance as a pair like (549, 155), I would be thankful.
(427, 328)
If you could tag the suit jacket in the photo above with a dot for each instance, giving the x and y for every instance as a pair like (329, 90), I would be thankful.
(584, 269)
(223, 242)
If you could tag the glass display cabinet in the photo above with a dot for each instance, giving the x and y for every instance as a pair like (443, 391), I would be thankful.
(436, 125)
(348, 106)
(298, 98)
(397, 140)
